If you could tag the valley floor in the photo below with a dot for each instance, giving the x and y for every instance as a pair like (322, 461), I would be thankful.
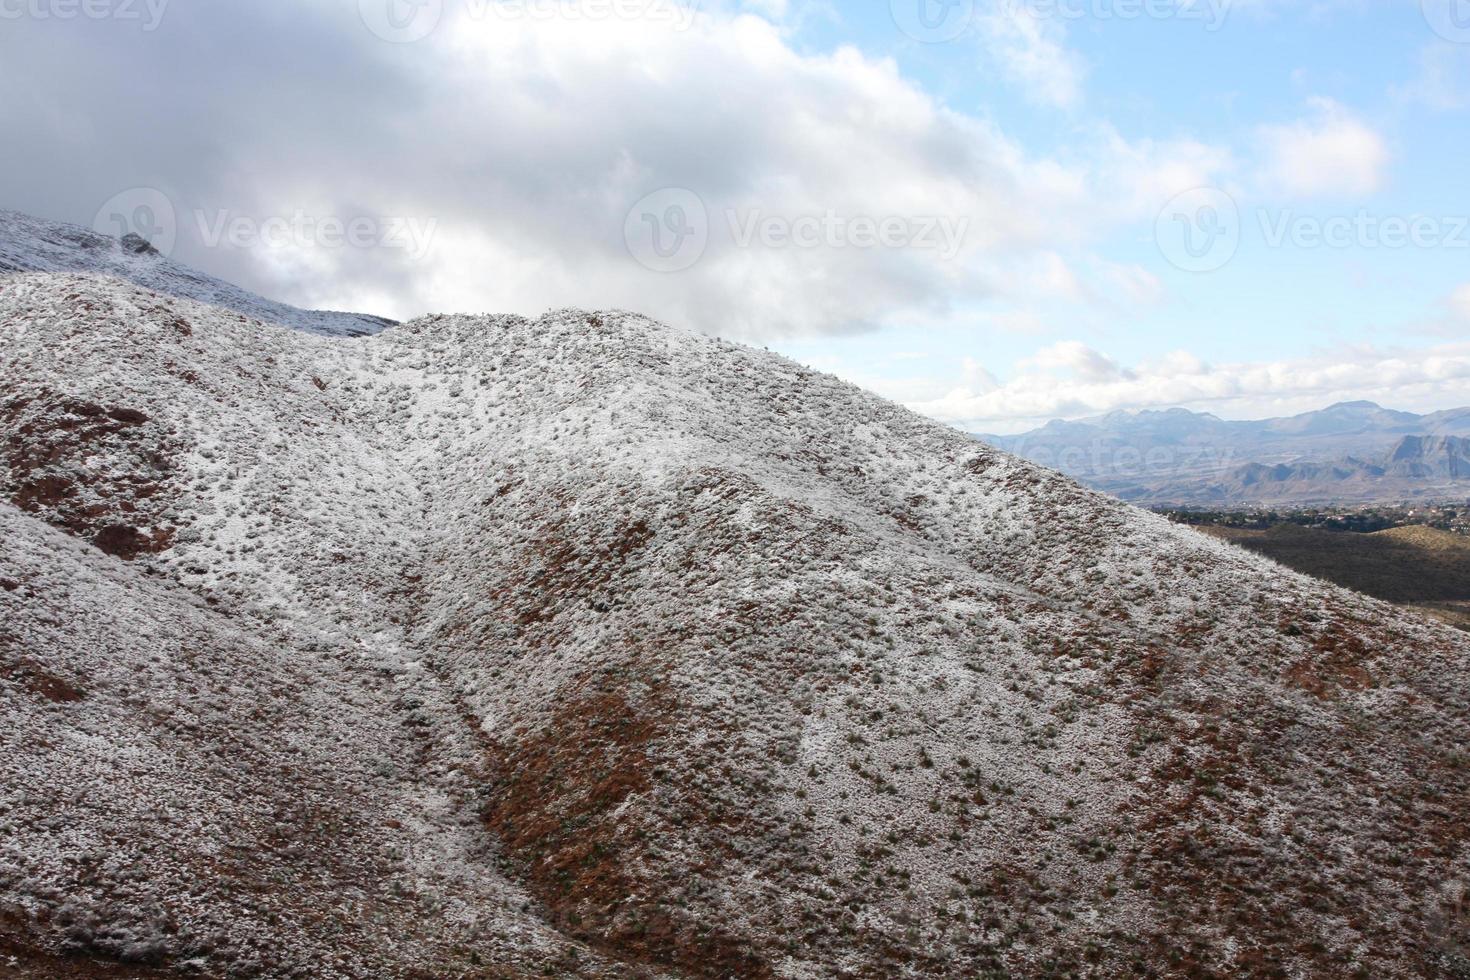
(1414, 567)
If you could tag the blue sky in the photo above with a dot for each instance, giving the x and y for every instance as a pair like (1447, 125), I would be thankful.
(991, 223)
(1222, 83)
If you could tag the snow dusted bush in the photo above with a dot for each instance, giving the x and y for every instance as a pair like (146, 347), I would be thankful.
(124, 929)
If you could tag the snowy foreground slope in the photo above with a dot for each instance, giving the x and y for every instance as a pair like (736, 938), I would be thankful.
(584, 646)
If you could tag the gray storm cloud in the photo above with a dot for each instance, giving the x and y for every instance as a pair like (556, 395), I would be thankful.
(525, 141)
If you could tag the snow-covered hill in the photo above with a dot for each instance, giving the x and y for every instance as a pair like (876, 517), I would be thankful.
(587, 646)
(31, 245)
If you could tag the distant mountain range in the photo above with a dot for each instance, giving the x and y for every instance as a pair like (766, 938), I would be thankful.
(1350, 453)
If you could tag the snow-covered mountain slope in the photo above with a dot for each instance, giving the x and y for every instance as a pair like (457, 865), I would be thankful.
(182, 788)
(739, 671)
(31, 245)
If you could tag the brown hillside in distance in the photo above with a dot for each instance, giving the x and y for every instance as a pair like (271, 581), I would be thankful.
(1401, 565)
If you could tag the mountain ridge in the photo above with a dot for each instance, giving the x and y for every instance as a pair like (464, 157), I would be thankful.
(1183, 458)
(1436, 465)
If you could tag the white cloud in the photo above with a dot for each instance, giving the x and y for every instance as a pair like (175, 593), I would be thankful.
(975, 377)
(1030, 51)
(1133, 283)
(1074, 360)
(1142, 176)
(1329, 152)
(1016, 321)
(1444, 77)
(1460, 303)
(775, 10)
(1051, 276)
(530, 141)
(1071, 380)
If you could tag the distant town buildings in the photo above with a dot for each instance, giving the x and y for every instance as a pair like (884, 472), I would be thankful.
(1365, 519)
